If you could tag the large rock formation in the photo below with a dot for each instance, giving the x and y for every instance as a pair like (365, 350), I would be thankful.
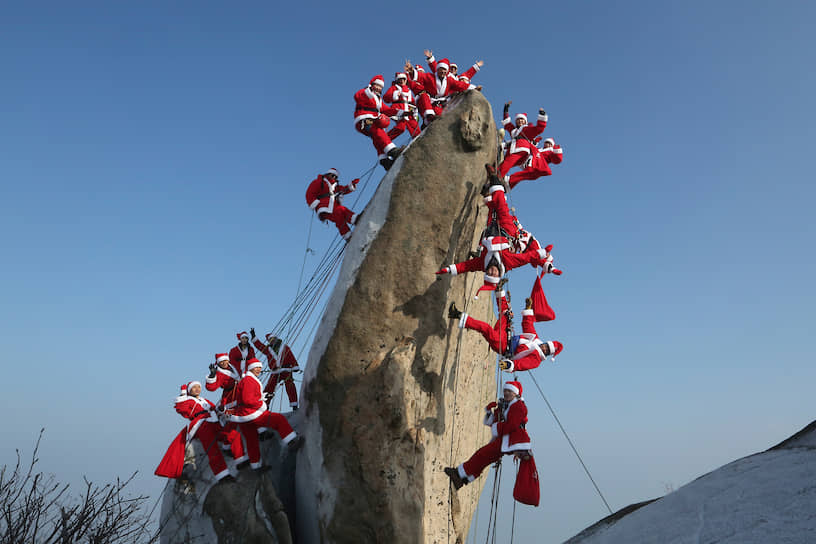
(392, 394)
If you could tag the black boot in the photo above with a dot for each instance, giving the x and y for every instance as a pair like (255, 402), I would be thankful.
(453, 312)
(396, 152)
(455, 479)
(386, 163)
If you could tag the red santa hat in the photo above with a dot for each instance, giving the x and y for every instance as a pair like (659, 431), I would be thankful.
(515, 387)
(551, 141)
(377, 80)
(521, 116)
(399, 75)
(253, 363)
(555, 348)
(183, 389)
(332, 171)
(241, 335)
(221, 357)
(419, 68)
(443, 63)
(489, 284)
(192, 383)
(464, 78)
(453, 64)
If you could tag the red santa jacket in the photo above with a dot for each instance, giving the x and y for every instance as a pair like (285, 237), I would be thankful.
(524, 138)
(285, 362)
(322, 194)
(238, 357)
(198, 410)
(508, 425)
(368, 105)
(500, 249)
(529, 351)
(542, 158)
(400, 96)
(439, 88)
(249, 399)
(225, 378)
(467, 74)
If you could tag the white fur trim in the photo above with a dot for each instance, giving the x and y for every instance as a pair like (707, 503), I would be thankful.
(430, 59)
(241, 459)
(511, 387)
(210, 380)
(512, 365)
(452, 270)
(255, 466)
(494, 430)
(443, 65)
(464, 475)
(462, 320)
(506, 447)
(222, 358)
(527, 312)
(221, 475)
(256, 364)
(476, 67)
(389, 147)
(551, 348)
(495, 188)
(491, 279)
(289, 437)
(542, 117)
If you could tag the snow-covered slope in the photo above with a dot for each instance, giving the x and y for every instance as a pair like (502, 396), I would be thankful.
(766, 498)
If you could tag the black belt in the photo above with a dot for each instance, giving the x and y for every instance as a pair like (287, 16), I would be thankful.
(201, 413)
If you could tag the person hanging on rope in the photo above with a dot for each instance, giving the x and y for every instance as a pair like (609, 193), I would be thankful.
(538, 162)
(372, 117)
(402, 97)
(282, 364)
(500, 216)
(239, 354)
(323, 196)
(522, 136)
(438, 86)
(507, 420)
(519, 352)
(204, 425)
(251, 413)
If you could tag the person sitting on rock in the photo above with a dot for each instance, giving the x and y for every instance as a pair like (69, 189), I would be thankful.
(251, 413)
(323, 196)
(519, 352)
(522, 136)
(282, 363)
(438, 87)
(239, 354)
(205, 426)
(401, 96)
(372, 117)
(507, 420)
(538, 162)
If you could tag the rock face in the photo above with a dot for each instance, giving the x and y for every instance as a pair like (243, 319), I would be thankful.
(392, 393)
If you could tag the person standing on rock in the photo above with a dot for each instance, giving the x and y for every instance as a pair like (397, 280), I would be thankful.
(519, 352)
(205, 426)
(507, 420)
(523, 137)
(323, 196)
(372, 117)
(239, 354)
(453, 69)
(282, 363)
(401, 96)
(223, 376)
(539, 162)
(251, 413)
(438, 87)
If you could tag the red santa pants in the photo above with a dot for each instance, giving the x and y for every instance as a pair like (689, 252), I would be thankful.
(288, 383)
(484, 456)
(498, 204)
(512, 160)
(529, 173)
(340, 216)
(496, 336)
(410, 124)
(376, 131)
(271, 420)
(229, 435)
(426, 107)
(208, 434)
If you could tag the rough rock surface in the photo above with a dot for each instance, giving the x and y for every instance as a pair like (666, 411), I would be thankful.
(392, 394)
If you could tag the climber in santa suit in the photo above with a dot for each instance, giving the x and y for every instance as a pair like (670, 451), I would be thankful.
(239, 354)
(507, 420)
(401, 96)
(437, 86)
(493, 192)
(519, 352)
(223, 376)
(453, 68)
(251, 413)
(282, 363)
(372, 117)
(323, 196)
(204, 426)
(522, 140)
(538, 163)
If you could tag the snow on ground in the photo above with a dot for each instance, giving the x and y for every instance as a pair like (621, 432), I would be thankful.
(765, 498)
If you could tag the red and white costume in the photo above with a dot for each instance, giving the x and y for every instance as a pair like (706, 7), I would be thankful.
(239, 355)
(372, 117)
(224, 379)
(523, 141)
(496, 203)
(282, 368)
(323, 196)
(203, 425)
(437, 90)
(250, 413)
(507, 423)
(496, 335)
(402, 97)
(528, 348)
(538, 164)
(465, 76)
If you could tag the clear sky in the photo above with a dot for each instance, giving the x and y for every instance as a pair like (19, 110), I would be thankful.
(154, 158)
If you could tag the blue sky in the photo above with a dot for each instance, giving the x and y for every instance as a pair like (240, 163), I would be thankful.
(154, 157)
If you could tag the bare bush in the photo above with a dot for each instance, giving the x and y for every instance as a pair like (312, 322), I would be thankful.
(35, 508)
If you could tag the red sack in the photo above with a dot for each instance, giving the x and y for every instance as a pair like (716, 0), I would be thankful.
(541, 309)
(526, 490)
(173, 461)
